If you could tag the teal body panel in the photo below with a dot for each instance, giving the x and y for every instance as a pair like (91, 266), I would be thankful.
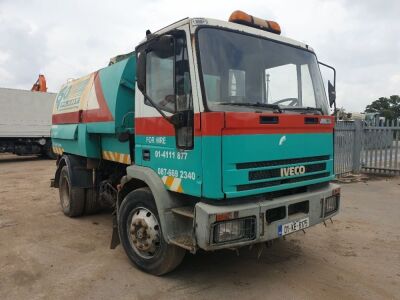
(91, 137)
(183, 167)
(211, 162)
(74, 139)
(269, 147)
(120, 95)
(66, 131)
(214, 161)
(118, 84)
(110, 143)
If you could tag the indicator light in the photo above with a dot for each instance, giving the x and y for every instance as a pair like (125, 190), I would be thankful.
(224, 216)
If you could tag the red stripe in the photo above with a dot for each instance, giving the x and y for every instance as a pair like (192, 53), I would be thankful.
(234, 123)
(158, 126)
(212, 123)
(102, 114)
(66, 118)
(249, 123)
(238, 131)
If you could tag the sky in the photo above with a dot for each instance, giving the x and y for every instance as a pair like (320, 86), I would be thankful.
(69, 39)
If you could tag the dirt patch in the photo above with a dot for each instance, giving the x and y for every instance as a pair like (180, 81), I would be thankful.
(45, 255)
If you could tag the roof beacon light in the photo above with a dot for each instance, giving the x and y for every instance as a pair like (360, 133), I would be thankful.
(241, 17)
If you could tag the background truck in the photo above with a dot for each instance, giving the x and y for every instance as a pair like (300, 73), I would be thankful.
(211, 135)
(25, 120)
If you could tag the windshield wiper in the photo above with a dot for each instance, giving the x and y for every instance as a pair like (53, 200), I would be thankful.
(305, 109)
(257, 104)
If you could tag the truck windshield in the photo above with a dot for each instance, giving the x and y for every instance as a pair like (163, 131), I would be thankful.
(242, 72)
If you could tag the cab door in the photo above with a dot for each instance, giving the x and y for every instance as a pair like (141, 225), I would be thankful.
(166, 121)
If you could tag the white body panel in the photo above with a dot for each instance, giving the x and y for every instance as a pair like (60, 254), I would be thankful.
(194, 24)
(247, 29)
(25, 113)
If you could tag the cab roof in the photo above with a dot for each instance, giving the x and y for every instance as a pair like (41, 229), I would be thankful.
(195, 23)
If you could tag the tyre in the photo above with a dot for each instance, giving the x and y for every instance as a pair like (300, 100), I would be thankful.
(141, 234)
(92, 204)
(72, 199)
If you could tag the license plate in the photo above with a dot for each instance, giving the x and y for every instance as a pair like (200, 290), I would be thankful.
(293, 226)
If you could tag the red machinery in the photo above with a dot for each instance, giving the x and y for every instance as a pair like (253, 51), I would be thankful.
(40, 84)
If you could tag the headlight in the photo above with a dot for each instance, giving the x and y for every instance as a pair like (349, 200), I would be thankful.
(331, 205)
(234, 230)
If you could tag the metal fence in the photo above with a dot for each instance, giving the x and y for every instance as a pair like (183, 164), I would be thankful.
(372, 147)
(344, 147)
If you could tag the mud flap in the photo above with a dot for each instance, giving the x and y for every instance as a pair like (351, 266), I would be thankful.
(115, 241)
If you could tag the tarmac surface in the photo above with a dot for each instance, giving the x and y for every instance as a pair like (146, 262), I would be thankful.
(45, 255)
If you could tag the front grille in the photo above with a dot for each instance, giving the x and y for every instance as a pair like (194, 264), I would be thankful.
(246, 187)
(265, 174)
(271, 163)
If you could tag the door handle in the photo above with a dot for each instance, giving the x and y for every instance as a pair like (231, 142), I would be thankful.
(146, 154)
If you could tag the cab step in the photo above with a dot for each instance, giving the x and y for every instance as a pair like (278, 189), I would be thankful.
(186, 211)
(185, 242)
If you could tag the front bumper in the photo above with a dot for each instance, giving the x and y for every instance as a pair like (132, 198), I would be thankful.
(311, 205)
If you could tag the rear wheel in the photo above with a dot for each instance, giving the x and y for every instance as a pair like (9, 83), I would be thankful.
(72, 199)
(141, 234)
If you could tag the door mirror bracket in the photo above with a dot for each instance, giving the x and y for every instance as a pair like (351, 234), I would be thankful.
(331, 94)
(331, 87)
(184, 122)
(179, 119)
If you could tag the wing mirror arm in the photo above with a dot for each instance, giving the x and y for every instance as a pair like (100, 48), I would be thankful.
(331, 87)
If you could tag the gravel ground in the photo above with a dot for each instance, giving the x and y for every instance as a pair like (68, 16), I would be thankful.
(45, 255)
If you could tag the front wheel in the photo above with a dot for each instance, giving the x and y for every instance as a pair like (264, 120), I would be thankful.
(141, 234)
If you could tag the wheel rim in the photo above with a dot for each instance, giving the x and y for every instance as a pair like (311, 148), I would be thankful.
(144, 233)
(65, 194)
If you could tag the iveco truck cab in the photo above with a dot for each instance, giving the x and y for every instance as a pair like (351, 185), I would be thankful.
(210, 135)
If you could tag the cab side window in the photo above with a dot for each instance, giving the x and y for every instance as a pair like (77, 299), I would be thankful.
(160, 81)
(168, 80)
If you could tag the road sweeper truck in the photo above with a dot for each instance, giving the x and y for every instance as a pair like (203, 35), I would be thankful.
(210, 135)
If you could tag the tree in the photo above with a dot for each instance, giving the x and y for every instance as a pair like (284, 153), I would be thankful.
(386, 107)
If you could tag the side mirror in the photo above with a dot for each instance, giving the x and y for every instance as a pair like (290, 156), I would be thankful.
(163, 46)
(123, 136)
(141, 70)
(331, 94)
